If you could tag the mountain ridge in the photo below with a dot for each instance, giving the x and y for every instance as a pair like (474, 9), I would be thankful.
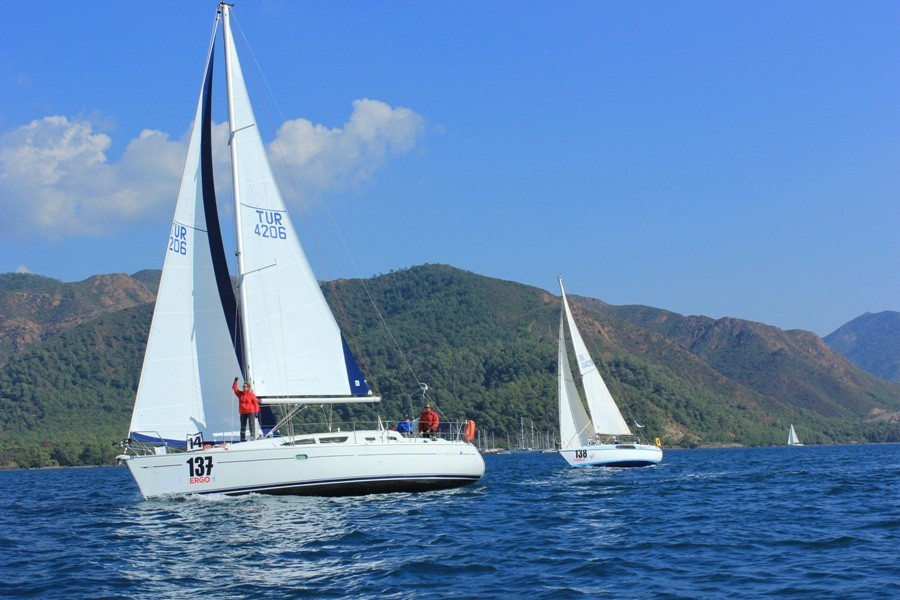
(871, 341)
(33, 307)
(727, 343)
(486, 347)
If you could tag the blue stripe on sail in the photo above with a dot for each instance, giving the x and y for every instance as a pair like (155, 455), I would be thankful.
(210, 211)
(154, 439)
(267, 419)
(358, 385)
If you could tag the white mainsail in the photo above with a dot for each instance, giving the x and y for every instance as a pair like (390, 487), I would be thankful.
(793, 440)
(604, 413)
(294, 351)
(574, 423)
(190, 357)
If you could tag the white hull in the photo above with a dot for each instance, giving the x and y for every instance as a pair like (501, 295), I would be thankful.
(351, 463)
(613, 455)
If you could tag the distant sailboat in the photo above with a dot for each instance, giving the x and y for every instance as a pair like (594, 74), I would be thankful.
(590, 437)
(793, 440)
(281, 335)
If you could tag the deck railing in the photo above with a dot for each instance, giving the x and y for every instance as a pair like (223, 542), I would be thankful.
(150, 442)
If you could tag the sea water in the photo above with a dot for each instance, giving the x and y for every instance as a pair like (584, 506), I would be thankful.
(788, 522)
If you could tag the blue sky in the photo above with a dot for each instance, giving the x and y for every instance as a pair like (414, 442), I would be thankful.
(714, 158)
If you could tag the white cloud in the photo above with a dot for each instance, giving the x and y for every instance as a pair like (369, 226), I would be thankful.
(56, 179)
(325, 158)
(23, 269)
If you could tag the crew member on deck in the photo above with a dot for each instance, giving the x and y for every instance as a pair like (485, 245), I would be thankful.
(404, 427)
(248, 406)
(428, 421)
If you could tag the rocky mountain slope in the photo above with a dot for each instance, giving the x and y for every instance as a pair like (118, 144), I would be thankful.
(871, 342)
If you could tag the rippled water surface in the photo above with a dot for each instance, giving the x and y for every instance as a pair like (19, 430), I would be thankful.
(789, 522)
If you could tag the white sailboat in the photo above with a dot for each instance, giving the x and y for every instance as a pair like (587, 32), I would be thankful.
(793, 440)
(590, 437)
(284, 339)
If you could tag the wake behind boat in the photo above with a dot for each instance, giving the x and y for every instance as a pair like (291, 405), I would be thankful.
(590, 438)
(282, 336)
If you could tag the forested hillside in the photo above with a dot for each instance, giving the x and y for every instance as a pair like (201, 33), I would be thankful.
(33, 307)
(66, 400)
(486, 349)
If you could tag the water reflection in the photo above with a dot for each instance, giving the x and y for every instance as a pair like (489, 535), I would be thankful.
(249, 539)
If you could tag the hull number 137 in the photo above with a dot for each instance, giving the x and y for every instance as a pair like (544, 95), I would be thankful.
(200, 466)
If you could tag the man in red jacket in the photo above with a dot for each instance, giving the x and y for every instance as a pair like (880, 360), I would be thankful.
(248, 406)
(428, 421)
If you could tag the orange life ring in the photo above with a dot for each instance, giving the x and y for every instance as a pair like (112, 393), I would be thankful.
(469, 432)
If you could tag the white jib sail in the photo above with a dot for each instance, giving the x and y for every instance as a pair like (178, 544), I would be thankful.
(793, 440)
(190, 361)
(603, 410)
(574, 424)
(293, 346)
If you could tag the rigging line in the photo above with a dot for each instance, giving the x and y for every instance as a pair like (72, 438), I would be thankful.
(306, 220)
(381, 318)
(359, 356)
(285, 419)
(259, 70)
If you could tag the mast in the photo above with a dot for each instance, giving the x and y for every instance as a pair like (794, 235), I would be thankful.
(232, 143)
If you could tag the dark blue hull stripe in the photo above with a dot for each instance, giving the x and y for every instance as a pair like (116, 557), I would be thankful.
(624, 463)
(354, 486)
